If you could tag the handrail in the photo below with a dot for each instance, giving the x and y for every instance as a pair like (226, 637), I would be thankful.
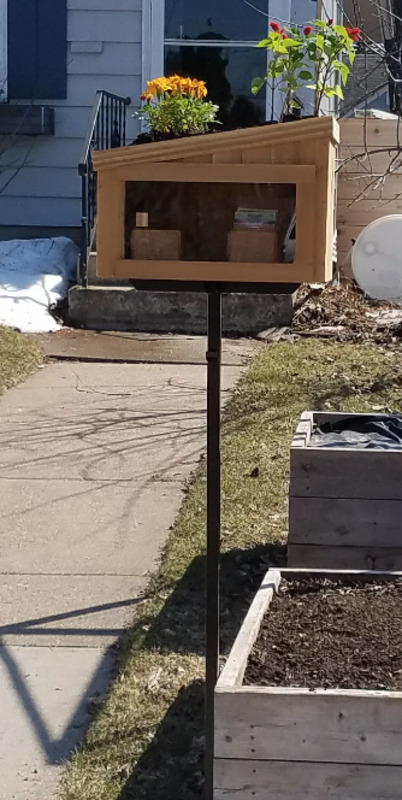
(106, 130)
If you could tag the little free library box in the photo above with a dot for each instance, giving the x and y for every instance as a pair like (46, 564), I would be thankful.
(220, 206)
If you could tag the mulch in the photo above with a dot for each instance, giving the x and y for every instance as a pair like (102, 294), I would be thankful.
(322, 633)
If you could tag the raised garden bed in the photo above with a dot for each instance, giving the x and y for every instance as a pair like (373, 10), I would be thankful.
(345, 504)
(309, 704)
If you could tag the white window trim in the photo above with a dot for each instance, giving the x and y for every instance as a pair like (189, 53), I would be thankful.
(3, 52)
(153, 29)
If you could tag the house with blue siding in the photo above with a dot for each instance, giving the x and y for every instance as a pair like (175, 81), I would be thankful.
(57, 54)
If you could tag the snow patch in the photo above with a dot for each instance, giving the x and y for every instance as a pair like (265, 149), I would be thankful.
(34, 275)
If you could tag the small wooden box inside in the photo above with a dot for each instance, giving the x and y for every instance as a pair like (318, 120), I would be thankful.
(345, 505)
(253, 246)
(297, 744)
(149, 245)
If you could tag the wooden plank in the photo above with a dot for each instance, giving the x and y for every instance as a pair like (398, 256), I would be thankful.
(344, 558)
(352, 186)
(258, 155)
(217, 173)
(343, 473)
(345, 522)
(324, 210)
(224, 271)
(110, 228)
(349, 210)
(228, 157)
(372, 133)
(234, 670)
(355, 160)
(338, 726)
(287, 780)
(353, 217)
(346, 236)
(193, 146)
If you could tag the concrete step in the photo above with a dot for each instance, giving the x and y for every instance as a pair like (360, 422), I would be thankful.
(123, 308)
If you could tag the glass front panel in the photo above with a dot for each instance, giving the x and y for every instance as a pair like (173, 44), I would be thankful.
(209, 221)
(228, 72)
(216, 19)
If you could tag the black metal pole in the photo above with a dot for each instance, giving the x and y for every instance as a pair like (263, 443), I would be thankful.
(213, 525)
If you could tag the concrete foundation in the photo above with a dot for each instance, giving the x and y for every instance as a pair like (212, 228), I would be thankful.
(125, 309)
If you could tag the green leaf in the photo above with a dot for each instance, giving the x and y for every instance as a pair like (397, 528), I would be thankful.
(288, 43)
(338, 91)
(319, 23)
(264, 43)
(320, 42)
(332, 91)
(256, 85)
(305, 75)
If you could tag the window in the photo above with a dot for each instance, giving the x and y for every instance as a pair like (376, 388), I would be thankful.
(215, 41)
(37, 49)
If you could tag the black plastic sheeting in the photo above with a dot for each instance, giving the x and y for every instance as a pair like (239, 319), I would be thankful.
(377, 432)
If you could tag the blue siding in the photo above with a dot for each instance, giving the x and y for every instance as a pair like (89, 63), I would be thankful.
(37, 49)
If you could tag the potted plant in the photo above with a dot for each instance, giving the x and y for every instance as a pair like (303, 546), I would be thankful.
(317, 57)
(175, 107)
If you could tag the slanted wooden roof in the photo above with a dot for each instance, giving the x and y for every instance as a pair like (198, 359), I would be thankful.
(204, 145)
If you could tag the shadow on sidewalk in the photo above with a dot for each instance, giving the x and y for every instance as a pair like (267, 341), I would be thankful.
(58, 749)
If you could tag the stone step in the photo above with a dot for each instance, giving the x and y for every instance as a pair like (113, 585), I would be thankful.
(123, 308)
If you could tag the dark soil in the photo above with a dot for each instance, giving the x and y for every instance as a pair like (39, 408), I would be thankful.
(328, 634)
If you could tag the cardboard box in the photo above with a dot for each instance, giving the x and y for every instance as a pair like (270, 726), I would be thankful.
(155, 245)
(253, 246)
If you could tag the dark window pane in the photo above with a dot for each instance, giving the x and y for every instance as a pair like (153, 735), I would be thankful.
(228, 72)
(216, 19)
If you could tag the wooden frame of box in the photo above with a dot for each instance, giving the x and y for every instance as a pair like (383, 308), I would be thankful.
(301, 153)
(292, 744)
(345, 505)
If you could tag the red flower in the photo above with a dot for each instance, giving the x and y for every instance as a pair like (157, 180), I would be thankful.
(308, 29)
(330, 22)
(354, 33)
(276, 27)
(284, 36)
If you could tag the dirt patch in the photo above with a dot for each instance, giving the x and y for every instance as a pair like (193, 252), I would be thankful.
(324, 633)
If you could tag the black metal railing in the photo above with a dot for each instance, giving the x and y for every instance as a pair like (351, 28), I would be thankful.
(107, 129)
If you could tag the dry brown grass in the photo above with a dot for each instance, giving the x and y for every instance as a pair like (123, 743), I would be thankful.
(18, 357)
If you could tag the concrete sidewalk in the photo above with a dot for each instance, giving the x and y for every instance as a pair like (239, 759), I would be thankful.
(92, 463)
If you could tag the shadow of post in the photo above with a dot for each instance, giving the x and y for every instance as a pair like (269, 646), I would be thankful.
(172, 766)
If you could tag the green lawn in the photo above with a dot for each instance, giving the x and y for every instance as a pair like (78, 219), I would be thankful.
(146, 740)
(18, 357)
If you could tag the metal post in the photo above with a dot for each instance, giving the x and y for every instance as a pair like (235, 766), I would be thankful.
(213, 525)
